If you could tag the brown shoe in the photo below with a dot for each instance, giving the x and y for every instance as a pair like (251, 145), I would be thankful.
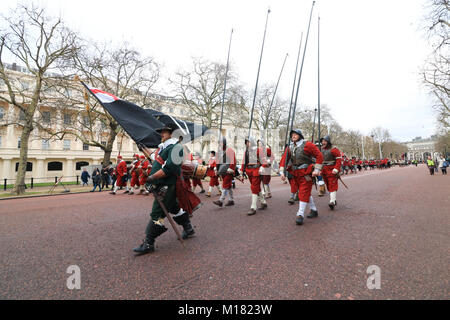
(218, 202)
(263, 206)
(229, 203)
(208, 195)
(251, 212)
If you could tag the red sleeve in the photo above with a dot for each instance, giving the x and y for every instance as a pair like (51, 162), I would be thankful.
(337, 154)
(312, 150)
(145, 165)
(232, 155)
(283, 157)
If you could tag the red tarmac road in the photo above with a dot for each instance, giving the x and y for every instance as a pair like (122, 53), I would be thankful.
(397, 219)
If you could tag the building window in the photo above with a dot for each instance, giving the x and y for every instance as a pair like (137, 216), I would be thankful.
(46, 116)
(103, 143)
(29, 166)
(80, 164)
(45, 144)
(86, 121)
(22, 116)
(66, 144)
(119, 146)
(2, 112)
(85, 146)
(102, 125)
(18, 143)
(67, 118)
(55, 166)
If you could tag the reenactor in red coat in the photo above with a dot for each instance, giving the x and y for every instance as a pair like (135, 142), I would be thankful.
(212, 174)
(331, 168)
(134, 173)
(251, 166)
(121, 174)
(226, 160)
(266, 159)
(143, 173)
(299, 157)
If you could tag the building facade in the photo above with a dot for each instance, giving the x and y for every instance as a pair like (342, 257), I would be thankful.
(419, 148)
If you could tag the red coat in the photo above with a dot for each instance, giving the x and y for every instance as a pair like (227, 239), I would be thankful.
(337, 155)
(121, 168)
(211, 165)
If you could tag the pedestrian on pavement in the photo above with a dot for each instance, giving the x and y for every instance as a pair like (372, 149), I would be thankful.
(105, 177)
(443, 165)
(96, 179)
(430, 164)
(85, 177)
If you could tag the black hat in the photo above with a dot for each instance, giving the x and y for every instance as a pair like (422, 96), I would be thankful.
(171, 127)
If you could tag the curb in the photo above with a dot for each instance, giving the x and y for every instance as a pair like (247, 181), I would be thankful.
(42, 195)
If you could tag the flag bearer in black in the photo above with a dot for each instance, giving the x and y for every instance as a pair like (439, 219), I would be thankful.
(165, 171)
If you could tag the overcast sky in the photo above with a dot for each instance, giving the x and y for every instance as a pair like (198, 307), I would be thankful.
(371, 51)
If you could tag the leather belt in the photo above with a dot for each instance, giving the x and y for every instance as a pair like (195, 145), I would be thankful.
(252, 166)
(303, 166)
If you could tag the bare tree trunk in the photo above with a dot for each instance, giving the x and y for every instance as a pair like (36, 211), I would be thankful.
(19, 186)
(109, 145)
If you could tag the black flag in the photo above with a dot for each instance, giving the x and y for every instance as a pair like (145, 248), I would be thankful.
(139, 124)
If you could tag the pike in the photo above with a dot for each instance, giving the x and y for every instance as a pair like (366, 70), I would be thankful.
(257, 76)
(147, 154)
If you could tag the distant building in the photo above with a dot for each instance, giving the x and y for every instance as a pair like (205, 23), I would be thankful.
(420, 149)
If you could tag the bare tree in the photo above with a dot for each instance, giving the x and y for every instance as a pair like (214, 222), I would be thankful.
(201, 89)
(40, 43)
(436, 73)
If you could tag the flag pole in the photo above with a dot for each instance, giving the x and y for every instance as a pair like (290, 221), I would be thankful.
(301, 67)
(257, 76)
(318, 76)
(224, 89)
(293, 90)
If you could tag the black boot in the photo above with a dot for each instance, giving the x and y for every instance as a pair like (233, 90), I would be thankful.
(299, 220)
(147, 246)
(313, 214)
(185, 222)
(153, 231)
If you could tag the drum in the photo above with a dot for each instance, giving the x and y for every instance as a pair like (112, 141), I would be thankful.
(188, 169)
(200, 171)
(193, 170)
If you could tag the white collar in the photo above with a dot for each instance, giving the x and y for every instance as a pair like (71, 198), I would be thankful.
(167, 143)
(298, 143)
